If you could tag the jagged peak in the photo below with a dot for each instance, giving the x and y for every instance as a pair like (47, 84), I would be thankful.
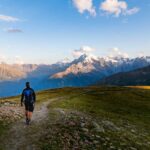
(86, 58)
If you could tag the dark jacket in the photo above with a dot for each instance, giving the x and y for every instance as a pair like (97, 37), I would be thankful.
(28, 96)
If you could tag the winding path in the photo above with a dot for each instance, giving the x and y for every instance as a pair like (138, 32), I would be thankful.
(23, 137)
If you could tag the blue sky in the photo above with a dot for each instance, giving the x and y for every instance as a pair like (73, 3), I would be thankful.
(46, 31)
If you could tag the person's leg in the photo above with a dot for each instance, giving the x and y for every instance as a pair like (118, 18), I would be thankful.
(31, 108)
(30, 115)
(26, 114)
(27, 117)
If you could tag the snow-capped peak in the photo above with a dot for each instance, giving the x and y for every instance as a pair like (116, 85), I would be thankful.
(147, 58)
(110, 59)
(116, 59)
(86, 58)
(90, 57)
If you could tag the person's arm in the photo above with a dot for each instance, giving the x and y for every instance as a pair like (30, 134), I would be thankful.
(34, 96)
(22, 98)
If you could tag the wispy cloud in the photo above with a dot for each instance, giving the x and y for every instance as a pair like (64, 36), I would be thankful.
(85, 5)
(117, 8)
(132, 11)
(8, 18)
(2, 58)
(13, 30)
(11, 60)
(83, 50)
(18, 60)
(116, 52)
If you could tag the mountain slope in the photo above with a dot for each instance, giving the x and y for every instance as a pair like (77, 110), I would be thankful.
(8, 72)
(88, 69)
(137, 77)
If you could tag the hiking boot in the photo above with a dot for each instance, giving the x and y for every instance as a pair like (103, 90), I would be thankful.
(27, 121)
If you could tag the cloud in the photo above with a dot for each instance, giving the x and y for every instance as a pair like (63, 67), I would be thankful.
(117, 8)
(11, 60)
(141, 54)
(2, 58)
(85, 5)
(132, 11)
(82, 50)
(18, 60)
(116, 52)
(8, 18)
(13, 30)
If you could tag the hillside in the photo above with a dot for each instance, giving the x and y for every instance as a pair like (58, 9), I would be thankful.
(137, 77)
(8, 73)
(79, 118)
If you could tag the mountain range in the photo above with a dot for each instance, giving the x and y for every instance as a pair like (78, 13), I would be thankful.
(136, 77)
(83, 71)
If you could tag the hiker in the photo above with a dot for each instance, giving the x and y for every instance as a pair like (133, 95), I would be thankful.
(28, 98)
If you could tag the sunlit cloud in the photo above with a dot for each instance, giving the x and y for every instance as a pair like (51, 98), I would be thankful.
(116, 52)
(11, 60)
(85, 6)
(117, 8)
(18, 60)
(83, 50)
(8, 18)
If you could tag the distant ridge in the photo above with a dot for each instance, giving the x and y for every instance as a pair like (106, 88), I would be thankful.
(136, 77)
(8, 73)
(83, 71)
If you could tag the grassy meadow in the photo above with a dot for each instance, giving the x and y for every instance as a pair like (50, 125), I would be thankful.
(95, 118)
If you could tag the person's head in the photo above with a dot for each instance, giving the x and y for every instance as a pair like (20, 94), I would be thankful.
(28, 84)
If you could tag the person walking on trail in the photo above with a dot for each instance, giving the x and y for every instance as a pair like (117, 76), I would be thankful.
(28, 98)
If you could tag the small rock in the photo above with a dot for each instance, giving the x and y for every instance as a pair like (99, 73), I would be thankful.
(85, 129)
(112, 147)
(71, 123)
(96, 142)
(108, 139)
(82, 125)
(110, 125)
(62, 112)
(132, 148)
(98, 128)
(97, 136)
(133, 131)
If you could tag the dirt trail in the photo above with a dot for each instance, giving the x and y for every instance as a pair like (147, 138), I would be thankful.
(23, 137)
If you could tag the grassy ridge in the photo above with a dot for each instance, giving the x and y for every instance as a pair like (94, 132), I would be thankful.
(115, 103)
(121, 113)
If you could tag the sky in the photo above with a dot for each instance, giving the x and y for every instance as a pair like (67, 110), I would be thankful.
(47, 31)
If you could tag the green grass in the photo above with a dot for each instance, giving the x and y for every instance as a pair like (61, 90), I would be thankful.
(115, 103)
(112, 102)
(126, 107)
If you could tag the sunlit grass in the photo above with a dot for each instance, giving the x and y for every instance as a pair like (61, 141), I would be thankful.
(140, 87)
